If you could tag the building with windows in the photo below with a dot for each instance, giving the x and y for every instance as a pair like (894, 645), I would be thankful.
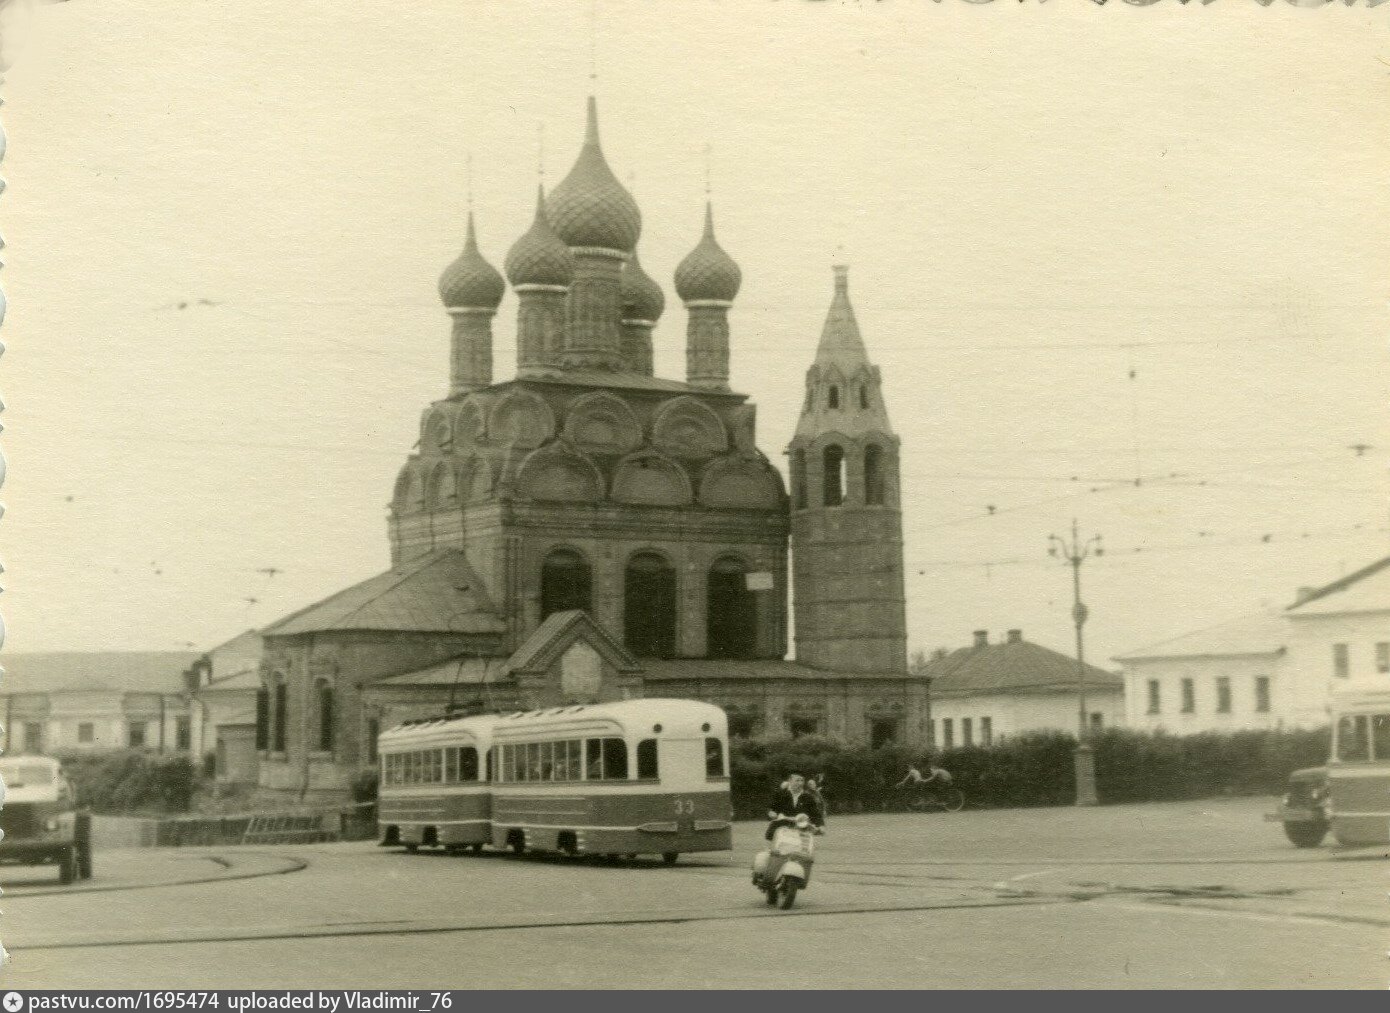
(989, 691)
(1225, 677)
(75, 701)
(225, 684)
(586, 530)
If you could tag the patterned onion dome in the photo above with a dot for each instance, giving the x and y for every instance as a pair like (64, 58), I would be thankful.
(642, 297)
(470, 282)
(540, 257)
(590, 207)
(707, 272)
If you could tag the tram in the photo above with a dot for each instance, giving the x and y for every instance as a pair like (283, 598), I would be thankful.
(647, 776)
(1358, 776)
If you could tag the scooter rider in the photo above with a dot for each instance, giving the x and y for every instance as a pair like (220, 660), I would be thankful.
(791, 799)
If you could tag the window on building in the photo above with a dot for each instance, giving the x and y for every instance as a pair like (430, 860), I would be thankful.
(801, 726)
(183, 732)
(967, 732)
(263, 718)
(1380, 737)
(279, 715)
(883, 732)
(743, 726)
(372, 731)
(1341, 661)
(566, 583)
(324, 693)
(1383, 657)
(1262, 694)
(1353, 739)
(219, 762)
(863, 396)
(799, 478)
(86, 732)
(834, 476)
(1154, 698)
(1189, 697)
(649, 606)
(1223, 695)
(834, 397)
(646, 760)
(731, 611)
(33, 737)
(948, 734)
(135, 734)
(873, 475)
(986, 731)
(714, 757)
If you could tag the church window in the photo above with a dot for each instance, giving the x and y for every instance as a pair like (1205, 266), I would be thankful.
(873, 475)
(801, 727)
(834, 396)
(731, 611)
(863, 397)
(263, 718)
(834, 476)
(649, 606)
(323, 691)
(566, 583)
(799, 478)
(279, 714)
(883, 732)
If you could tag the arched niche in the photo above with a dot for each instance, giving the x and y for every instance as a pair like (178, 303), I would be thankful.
(480, 483)
(437, 431)
(651, 480)
(410, 490)
(649, 605)
(567, 582)
(741, 483)
(731, 610)
(559, 473)
(685, 427)
(522, 419)
(470, 424)
(602, 423)
(443, 489)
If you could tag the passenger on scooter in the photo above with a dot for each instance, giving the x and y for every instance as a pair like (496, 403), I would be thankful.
(789, 800)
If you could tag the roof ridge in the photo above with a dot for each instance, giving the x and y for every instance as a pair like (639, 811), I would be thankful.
(1341, 583)
(1266, 613)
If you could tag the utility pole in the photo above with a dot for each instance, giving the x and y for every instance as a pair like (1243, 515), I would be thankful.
(1075, 553)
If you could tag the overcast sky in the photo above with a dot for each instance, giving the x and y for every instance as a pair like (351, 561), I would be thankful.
(1020, 189)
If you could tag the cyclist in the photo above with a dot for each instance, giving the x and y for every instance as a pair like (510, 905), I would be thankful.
(935, 775)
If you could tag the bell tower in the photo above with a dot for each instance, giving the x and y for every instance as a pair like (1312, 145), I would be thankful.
(846, 532)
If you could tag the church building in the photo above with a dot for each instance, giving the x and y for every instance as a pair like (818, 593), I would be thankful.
(586, 530)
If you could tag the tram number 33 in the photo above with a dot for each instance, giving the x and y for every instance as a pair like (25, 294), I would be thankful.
(685, 807)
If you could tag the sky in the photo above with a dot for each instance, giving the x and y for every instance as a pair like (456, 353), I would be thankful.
(1124, 265)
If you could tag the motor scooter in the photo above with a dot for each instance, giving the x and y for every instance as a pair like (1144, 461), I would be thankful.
(785, 868)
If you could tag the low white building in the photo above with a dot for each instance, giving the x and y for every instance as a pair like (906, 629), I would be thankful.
(990, 691)
(1226, 677)
(227, 694)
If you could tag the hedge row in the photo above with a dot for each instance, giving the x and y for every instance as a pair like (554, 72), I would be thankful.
(1035, 769)
(129, 782)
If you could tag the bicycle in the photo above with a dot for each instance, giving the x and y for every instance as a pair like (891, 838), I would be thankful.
(947, 798)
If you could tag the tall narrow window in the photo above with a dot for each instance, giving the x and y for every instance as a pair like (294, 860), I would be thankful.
(1341, 661)
(730, 611)
(967, 735)
(1153, 696)
(649, 606)
(834, 475)
(1383, 657)
(873, 475)
(324, 692)
(183, 732)
(1189, 697)
(566, 583)
(834, 398)
(136, 734)
(263, 718)
(986, 731)
(373, 730)
(1223, 695)
(799, 478)
(863, 397)
(33, 737)
(1262, 694)
(279, 708)
(948, 733)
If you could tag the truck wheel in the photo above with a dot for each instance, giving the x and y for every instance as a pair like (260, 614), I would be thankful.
(1305, 835)
(84, 860)
(67, 865)
(669, 857)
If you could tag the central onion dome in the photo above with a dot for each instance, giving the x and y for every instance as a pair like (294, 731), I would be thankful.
(707, 272)
(590, 207)
(540, 257)
(470, 282)
(642, 297)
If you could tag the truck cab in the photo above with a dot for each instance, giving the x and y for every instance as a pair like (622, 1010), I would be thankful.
(40, 820)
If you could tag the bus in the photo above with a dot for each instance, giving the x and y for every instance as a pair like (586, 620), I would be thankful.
(1358, 774)
(432, 786)
(635, 777)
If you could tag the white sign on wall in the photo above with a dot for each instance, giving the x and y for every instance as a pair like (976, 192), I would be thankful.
(760, 581)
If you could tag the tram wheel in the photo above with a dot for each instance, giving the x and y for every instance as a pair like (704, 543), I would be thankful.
(412, 848)
(517, 842)
(669, 857)
(477, 848)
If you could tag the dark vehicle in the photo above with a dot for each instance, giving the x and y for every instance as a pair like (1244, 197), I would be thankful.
(40, 819)
(1303, 809)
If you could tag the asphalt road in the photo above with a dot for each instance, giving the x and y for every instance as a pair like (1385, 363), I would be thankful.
(1198, 895)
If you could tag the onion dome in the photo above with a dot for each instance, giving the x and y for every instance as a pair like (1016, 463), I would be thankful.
(590, 207)
(707, 272)
(641, 297)
(540, 257)
(470, 282)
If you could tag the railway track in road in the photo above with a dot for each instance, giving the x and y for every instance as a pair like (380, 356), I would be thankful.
(227, 870)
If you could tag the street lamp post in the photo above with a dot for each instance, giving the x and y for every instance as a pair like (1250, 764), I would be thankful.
(1075, 553)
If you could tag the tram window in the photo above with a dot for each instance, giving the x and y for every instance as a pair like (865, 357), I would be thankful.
(714, 757)
(593, 759)
(573, 769)
(1353, 745)
(533, 762)
(451, 765)
(646, 760)
(1380, 736)
(467, 766)
(436, 766)
(606, 759)
(489, 769)
(508, 763)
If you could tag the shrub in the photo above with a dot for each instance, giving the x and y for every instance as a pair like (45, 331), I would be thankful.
(130, 781)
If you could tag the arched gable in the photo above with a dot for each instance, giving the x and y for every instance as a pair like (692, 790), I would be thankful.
(443, 489)
(686, 427)
(470, 424)
(522, 419)
(650, 479)
(558, 472)
(437, 430)
(742, 483)
(602, 423)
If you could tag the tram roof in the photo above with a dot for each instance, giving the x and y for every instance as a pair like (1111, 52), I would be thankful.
(675, 714)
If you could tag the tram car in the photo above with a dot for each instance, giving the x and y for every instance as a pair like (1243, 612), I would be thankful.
(635, 777)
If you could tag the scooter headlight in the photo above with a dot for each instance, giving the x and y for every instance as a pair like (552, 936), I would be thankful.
(51, 824)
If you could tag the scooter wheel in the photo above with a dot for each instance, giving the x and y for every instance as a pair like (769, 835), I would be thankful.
(788, 895)
(771, 896)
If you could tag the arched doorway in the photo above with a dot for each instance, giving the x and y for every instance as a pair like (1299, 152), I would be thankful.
(731, 616)
(566, 583)
(649, 606)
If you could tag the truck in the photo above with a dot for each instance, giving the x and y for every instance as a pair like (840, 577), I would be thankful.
(40, 819)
